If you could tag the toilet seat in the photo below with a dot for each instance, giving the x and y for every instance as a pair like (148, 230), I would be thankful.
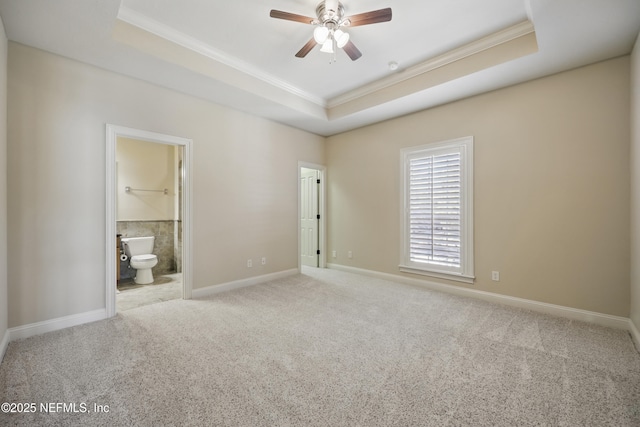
(142, 258)
(143, 265)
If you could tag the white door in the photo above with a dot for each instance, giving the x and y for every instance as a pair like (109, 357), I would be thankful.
(309, 216)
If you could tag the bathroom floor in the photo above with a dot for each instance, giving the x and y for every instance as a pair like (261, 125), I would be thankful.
(163, 288)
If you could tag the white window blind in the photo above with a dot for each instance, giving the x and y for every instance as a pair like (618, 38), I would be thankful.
(437, 209)
(434, 209)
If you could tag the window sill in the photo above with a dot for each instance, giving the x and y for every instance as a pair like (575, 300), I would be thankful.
(439, 275)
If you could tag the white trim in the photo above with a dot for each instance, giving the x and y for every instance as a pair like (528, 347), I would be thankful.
(112, 133)
(444, 275)
(4, 344)
(635, 334)
(26, 331)
(322, 234)
(503, 36)
(242, 283)
(187, 219)
(161, 30)
(540, 307)
(110, 228)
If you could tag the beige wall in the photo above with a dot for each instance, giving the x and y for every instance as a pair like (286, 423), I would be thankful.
(3, 184)
(552, 178)
(551, 187)
(145, 165)
(635, 184)
(244, 182)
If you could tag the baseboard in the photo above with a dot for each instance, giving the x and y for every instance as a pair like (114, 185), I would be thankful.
(541, 307)
(635, 334)
(4, 344)
(38, 328)
(242, 283)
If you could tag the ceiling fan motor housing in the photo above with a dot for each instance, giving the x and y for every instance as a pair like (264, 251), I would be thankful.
(330, 17)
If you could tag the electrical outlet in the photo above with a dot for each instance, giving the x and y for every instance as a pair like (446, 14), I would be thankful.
(350, 254)
(264, 260)
(334, 254)
(249, 263)
(495, 276)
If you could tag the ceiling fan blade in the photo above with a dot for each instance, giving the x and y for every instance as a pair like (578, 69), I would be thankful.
(373, 17)
(291, 16)
(307, 48)
(351, 50)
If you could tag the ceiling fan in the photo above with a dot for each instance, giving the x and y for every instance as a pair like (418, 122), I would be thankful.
(329, 24)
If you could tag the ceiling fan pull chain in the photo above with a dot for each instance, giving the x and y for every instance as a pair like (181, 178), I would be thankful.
(335, 48)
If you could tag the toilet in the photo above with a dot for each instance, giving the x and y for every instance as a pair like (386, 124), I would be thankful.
(139, 250)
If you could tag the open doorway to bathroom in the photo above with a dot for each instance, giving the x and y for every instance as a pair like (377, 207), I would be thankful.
(148, 210)
(148, 222)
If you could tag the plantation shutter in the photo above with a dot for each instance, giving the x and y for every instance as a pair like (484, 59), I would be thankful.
(435, 209)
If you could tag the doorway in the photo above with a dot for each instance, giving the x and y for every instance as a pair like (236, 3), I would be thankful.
(311, 219)
(148, 206)
(179, 151)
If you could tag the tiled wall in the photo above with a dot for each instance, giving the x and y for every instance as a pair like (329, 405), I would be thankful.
(167, 246)
(177, 248)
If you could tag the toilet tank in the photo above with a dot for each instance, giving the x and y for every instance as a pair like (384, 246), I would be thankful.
(138, 245)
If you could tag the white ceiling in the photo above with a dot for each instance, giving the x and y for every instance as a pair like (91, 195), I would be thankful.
(240, 57)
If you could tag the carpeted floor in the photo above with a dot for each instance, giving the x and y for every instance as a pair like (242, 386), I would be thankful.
(326, 349)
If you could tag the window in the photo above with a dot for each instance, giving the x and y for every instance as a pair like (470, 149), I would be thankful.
(437, 210)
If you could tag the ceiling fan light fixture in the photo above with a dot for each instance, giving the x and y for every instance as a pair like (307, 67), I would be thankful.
(320, 34)
(327, 46)
(341, 38)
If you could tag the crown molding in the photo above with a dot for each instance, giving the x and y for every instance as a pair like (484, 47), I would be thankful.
(503, 36)
(164, 31)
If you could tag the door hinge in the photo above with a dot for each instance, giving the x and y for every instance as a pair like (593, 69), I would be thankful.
(318, 252)
(318, 216)
(317, 181)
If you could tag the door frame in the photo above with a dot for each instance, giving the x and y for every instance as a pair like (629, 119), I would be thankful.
(112, 134)
(322, 174)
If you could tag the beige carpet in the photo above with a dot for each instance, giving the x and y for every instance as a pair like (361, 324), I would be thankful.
(327, 349)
